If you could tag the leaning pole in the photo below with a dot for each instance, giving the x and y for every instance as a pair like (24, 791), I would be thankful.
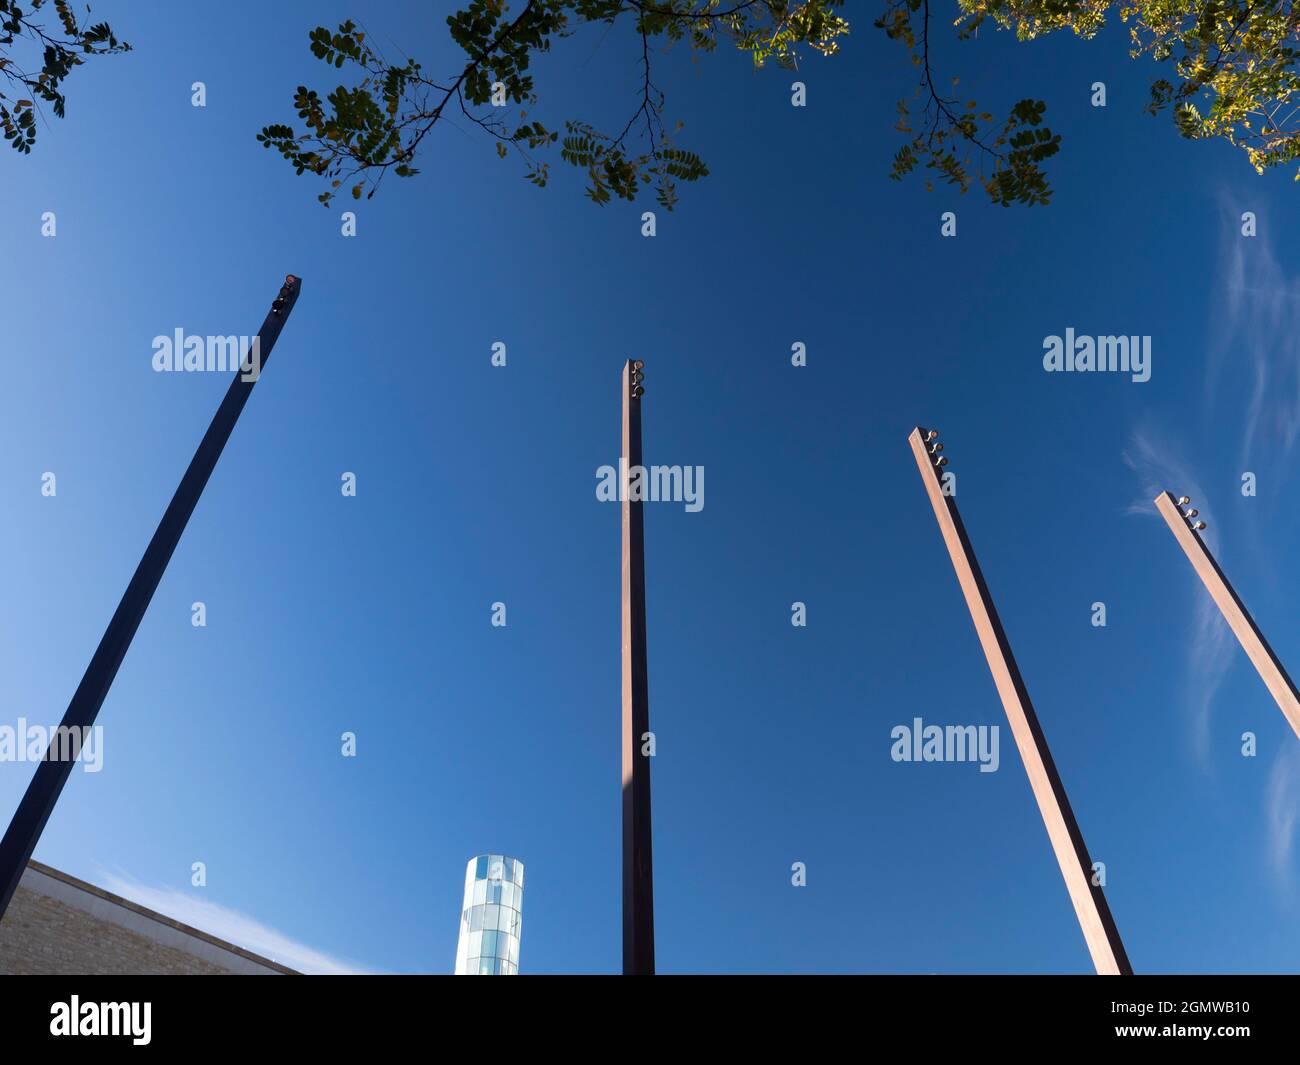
(43, 792)
(1087, 897)
(1239, 619)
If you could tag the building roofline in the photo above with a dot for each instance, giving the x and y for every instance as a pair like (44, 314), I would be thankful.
(154, 915)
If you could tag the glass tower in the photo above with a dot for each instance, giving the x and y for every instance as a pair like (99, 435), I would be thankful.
(490, 921)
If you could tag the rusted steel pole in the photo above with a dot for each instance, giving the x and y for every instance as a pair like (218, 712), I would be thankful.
(1095, 920)
(638, 865)
(1233, 609)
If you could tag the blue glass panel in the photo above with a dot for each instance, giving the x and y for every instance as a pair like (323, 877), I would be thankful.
(481, 869)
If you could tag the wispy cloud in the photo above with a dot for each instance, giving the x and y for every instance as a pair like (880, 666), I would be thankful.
(1159, 465)
(1282, 804)
(1157, 459)
(1252, 368)
(227, 924)
(1255, 334)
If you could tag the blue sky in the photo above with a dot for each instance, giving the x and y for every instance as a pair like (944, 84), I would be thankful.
(476, 484)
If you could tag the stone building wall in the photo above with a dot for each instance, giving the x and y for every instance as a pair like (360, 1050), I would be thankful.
(59, 925)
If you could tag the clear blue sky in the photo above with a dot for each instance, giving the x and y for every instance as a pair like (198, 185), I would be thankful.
(476, 484)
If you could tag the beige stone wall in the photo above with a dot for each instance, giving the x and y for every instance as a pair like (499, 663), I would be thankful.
(58, 925)
(41, 936)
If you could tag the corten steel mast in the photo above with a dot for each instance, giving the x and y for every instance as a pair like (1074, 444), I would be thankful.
(638, 867)
(1187, 533)
(1090, 907)
(51, 774)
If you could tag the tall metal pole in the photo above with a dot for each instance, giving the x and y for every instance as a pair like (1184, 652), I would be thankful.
(638, 867)
(1233, 609)
(1090, 907)
(52, 773)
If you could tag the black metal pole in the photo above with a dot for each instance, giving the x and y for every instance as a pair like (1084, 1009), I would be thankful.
(638, 866)
(52, 773)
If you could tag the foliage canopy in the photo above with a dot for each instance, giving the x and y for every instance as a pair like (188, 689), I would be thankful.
(26, 39)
